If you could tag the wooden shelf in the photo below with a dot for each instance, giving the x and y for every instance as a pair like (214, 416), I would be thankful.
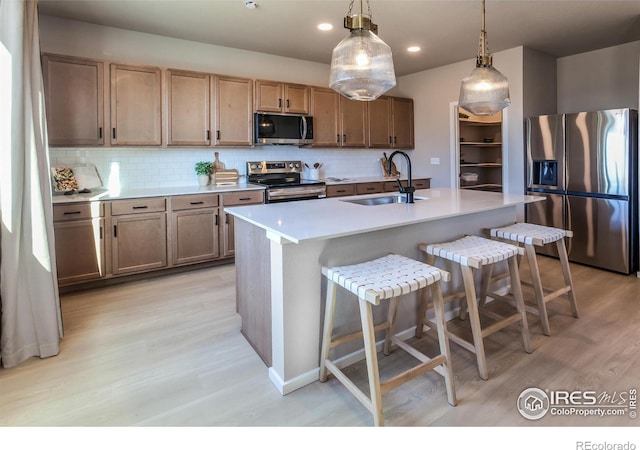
(484, 187)
(488, 164)
(480, 149)
(482, 144)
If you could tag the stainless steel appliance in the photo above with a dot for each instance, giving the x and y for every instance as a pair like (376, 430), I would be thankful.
(283, 181)
(283, 129)
(586, 166)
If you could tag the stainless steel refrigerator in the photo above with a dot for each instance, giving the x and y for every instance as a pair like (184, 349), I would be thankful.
(586, 166)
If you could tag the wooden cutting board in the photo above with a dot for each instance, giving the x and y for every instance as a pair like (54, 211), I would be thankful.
(217, 164)
(384, 163)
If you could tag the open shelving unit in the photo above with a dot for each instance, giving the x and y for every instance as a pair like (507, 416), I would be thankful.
(480, 150)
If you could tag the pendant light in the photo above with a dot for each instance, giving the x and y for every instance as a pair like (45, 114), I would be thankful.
(361, 64)
(485, 91)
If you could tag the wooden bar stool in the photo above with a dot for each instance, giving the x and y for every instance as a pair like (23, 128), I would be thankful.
(473, 252)
(389, 277)
(530, 235)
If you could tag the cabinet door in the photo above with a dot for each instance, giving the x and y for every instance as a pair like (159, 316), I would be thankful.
(228, 232)
(379, 123)
(227, 222)
(269, 96)
(135, 105)
(139, 242)
(402, 123)
(234, 111)
(79, 250)
(188, 108)
(74, 100)
(325, 106)
(353, 123)
(296, 98)
(195, 235)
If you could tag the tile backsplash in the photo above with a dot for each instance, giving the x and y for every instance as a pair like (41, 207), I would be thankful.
(153, 167)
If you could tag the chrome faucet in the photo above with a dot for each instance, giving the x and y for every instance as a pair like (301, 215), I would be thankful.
(408, 190)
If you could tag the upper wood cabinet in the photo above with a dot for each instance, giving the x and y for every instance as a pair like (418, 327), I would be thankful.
(390, 123)
(402, 110)
(379, 123)
(188, 108)
(135, 105)
(272, 96)
(74, 100)
(353, 123)
(234, 111)
(325, 110)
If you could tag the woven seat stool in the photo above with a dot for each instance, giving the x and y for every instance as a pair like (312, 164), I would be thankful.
(531, 235)
(469, 253)
(389, 277)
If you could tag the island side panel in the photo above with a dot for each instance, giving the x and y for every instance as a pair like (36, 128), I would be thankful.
(253, 287)
(297, 287)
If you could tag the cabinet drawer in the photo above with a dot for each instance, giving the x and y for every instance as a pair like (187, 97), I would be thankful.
(194, 201)
(422, 183)
(369, 188)
(75, 211)
(242, 198)
(341, 190)
(390, 186)
(142, 205)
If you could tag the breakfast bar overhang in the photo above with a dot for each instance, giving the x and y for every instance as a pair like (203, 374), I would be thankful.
(281, 247)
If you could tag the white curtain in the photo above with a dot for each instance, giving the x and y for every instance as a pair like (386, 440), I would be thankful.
(31, 317)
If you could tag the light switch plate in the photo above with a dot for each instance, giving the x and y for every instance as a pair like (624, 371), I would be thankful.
(435, 161)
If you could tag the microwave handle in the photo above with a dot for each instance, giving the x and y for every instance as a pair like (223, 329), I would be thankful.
(304, 128)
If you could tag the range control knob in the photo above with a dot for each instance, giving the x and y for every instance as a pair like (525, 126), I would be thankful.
(290, 165)
(297, 165)
(259, 166)
(253, 166)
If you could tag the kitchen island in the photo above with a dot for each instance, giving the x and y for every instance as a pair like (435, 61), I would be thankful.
(281, 247)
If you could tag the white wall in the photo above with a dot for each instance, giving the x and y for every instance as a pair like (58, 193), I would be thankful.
(601, 79)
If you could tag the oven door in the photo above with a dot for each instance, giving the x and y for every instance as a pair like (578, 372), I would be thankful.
(292, 193)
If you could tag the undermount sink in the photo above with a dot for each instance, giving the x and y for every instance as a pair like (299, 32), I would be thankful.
(382, 200)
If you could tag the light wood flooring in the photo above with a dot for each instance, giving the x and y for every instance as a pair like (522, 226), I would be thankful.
(168, 352)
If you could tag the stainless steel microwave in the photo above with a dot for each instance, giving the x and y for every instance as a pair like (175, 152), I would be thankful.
(283, 129)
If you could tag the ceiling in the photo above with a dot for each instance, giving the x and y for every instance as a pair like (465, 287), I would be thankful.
(447, 31)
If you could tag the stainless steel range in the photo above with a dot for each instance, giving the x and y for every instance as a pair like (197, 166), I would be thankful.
(284, 182)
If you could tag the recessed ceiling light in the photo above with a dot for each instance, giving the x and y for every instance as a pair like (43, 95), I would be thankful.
(325, 27)
(250, 4)
(413, 49)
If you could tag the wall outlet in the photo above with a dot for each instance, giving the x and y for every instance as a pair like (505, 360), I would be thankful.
(435, 161)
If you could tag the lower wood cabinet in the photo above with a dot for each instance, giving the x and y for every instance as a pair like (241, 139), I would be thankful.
(101, 240)
(79, 242)
(228, 223)
(139, 235)
(375, 187)
(194, 228)
(340, 190)
(369, 188)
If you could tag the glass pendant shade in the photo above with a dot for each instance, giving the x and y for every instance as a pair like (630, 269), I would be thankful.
(362, 66)
(484, 92)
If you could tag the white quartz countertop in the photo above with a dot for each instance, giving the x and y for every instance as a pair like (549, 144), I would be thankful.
(372, 179)
(105, 194)
(334, 217)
